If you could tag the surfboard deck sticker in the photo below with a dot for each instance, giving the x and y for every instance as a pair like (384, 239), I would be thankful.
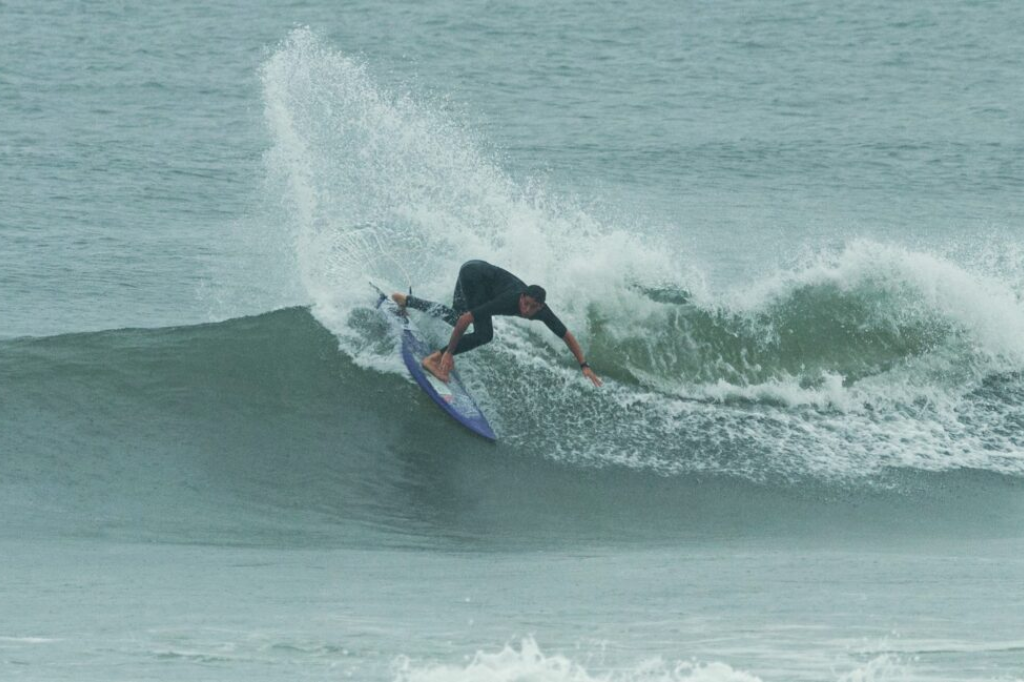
(452, 397)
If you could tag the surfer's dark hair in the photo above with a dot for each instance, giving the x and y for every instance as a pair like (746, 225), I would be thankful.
(536, 292)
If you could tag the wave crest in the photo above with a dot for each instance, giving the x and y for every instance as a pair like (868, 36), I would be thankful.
(870, 323)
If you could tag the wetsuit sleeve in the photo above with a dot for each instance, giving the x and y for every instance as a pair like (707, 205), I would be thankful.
(551, 320)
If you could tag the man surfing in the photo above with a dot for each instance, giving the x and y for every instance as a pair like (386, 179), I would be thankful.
(481, 292)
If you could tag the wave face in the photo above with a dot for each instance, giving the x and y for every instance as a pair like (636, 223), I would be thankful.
(259, 430)
(855, 360)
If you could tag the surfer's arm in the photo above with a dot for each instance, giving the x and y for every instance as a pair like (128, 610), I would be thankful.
(447, 359)
(574, 346)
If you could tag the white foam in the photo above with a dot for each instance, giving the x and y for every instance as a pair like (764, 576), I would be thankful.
(527, 663)
(786, 391)
(28, 640)
(878, 669)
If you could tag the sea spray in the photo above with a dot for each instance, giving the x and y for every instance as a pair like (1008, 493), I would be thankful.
(382, 186)
(863, 357)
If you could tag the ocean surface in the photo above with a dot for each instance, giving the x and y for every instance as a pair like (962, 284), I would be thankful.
(789, 235)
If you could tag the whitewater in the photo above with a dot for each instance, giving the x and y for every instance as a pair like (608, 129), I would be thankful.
(788, 237)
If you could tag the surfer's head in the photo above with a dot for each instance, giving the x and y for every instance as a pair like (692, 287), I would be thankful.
(532, 300)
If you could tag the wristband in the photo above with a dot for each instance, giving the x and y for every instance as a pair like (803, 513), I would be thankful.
(584, 365)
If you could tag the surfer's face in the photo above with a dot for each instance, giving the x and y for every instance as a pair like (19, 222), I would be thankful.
(528, 307)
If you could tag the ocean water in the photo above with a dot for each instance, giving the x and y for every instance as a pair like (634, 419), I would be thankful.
(788, 234)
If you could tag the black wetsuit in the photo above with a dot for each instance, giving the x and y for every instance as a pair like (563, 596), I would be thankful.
(484, 290)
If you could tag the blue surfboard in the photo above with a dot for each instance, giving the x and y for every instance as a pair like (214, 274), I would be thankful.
(452, 397)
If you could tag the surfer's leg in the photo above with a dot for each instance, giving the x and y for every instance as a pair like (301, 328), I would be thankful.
(471, 287)
(465, 284)
(434, 309)
(483, 332)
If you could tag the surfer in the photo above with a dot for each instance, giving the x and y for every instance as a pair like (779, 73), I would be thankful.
(481, 292)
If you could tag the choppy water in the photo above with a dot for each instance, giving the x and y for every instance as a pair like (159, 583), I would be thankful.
(788, 234)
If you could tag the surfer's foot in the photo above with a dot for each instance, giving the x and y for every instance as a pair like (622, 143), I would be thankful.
(432, 363)
(400, 299)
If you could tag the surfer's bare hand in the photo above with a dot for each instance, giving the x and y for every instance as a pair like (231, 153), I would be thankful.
(594, 379)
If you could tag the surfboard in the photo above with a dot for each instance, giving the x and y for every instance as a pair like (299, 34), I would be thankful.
(452, 397)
